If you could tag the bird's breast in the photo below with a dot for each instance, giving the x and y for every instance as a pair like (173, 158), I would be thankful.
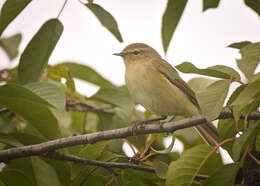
(151, 89)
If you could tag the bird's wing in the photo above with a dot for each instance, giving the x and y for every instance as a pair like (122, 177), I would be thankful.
(172, 75)
(207, 131)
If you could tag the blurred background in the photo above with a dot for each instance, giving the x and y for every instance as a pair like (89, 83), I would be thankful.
(200, 38)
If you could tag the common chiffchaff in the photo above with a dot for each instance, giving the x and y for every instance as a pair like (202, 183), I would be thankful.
(157, 86)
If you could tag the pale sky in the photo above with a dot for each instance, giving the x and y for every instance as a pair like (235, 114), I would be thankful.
(201, 38)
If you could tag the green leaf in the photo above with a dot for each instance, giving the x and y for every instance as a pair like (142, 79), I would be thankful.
(24, 165)
(116, 96)
(250, 59)
(147, 114)
(253, 106)
(226, 129)
(27, 139)
(106, 19)
(44, 173)
(256, 77)
(248, 94)
(188, 136)
(15, 178)
(247, 137)
(12, 90)
(237, 111)
(134, 178)
(257, 145)
(36, 54)
(185, 168)
(86, 73)
(58, 72)
(50, 93)
(93, 151)
(239, 45)
(10, 45)
(161, 169)
(1, 183)
(63, 170)
(219, 71)
(199, 84)
(10, 10)
(235, 94)
(9, 140)
(31, 107)
(225, 69)
(170, 20)
(210, 4)
(165, 151)
(212, 99)
(254, 5)
(226, 175)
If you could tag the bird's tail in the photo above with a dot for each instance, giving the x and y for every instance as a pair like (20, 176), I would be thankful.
(208, 132)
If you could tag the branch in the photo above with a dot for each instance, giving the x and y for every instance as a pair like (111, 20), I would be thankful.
(38, 149)
(66, 157)
(227, 113)
(83, 107)
(107, 165)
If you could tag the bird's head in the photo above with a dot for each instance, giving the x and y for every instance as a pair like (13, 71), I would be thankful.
(138, 52)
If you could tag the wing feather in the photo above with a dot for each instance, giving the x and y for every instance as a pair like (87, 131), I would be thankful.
(172, 75)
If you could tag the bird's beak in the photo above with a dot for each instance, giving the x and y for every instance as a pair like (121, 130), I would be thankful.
(122, 54)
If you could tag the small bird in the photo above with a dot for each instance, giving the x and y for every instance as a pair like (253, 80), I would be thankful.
(157, 86)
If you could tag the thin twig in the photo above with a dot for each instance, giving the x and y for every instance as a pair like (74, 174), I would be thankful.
(244, 154)
(65, 2)
(86, 178)
(84, 107)
(245, 122)
(237, 126)
(66, 157)
(253, 157)
(130, 145)
(213, 151)
(242, 83)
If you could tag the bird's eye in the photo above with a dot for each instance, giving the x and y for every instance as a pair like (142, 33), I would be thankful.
(136, 52)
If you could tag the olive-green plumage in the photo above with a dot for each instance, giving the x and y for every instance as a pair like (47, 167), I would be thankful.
(157, 86)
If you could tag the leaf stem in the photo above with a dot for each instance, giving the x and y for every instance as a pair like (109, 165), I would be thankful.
(65, 2)
(253, 157)
(242, 83)
(236, 126)
(245, 122)
(213, 151)
(130, 145)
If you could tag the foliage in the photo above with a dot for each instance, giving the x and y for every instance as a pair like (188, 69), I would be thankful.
(37, 106)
